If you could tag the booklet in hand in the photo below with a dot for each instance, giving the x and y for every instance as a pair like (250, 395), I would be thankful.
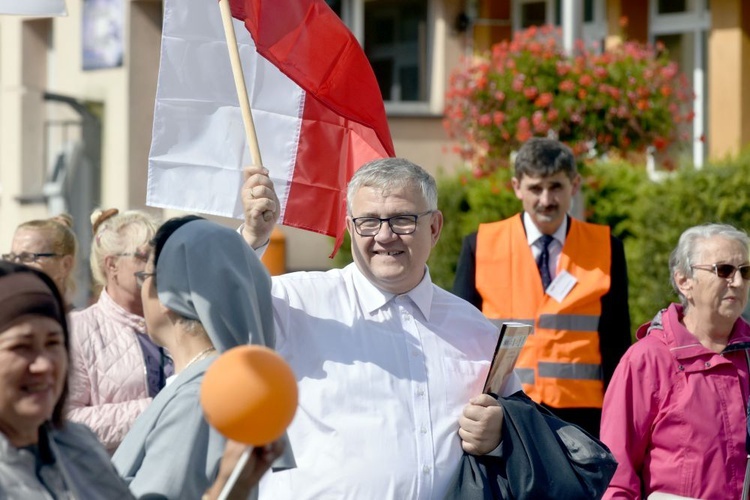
(512, 338)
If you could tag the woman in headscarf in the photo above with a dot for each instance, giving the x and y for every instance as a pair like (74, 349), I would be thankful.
(115, 368)
(41, 455)
(204, 291)
(50, 246)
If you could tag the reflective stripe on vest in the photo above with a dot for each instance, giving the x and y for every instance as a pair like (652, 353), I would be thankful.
(572, 371)
(576, 371)
(560, 365)
(579, 322)
(526, 375)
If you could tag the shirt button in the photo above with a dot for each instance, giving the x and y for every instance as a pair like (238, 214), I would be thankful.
(423, 430)
(708, 365)
(426, 469)
(420, 392)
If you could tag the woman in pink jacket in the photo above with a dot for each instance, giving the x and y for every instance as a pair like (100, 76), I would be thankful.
(674, 413)
(115, 368)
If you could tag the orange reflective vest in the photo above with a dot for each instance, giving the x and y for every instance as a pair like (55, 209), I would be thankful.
(560, 365)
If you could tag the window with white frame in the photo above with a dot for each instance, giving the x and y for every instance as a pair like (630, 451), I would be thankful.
(400, 38)
(528, 13)
(682, 26)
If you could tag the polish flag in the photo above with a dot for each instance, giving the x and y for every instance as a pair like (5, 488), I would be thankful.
(316, 105)
(41, 8)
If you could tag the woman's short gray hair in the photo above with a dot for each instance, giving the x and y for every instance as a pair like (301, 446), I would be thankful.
(393, 173)
(683, 256)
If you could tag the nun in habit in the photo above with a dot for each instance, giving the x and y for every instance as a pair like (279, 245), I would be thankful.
(204, 291)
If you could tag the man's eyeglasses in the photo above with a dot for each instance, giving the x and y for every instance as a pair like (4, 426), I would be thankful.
(725, 271)
(399, 224)
(27, 257)
(141, 276)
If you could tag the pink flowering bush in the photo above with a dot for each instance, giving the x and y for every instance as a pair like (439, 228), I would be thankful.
(623, 100)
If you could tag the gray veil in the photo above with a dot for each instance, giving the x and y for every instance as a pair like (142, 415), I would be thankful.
(208, 273)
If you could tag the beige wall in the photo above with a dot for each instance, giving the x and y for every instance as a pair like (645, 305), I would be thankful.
(54, 53)
(423, 141)
(21, 88)
(729, 77)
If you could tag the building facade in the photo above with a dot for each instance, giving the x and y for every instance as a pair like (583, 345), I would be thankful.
(79, 90)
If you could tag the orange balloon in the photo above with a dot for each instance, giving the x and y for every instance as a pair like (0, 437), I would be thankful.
(249, 394)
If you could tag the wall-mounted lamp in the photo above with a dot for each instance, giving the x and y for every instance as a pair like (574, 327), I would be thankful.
(461, 24)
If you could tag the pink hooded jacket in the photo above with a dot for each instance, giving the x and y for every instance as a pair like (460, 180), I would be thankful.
(674, 413)
(108, 385)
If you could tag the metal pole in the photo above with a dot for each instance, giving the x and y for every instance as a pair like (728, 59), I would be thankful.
(572, 23)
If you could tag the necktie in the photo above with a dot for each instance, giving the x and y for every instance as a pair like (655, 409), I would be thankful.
(543, 261)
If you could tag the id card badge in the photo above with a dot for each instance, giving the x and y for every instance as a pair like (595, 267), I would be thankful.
(561, 286)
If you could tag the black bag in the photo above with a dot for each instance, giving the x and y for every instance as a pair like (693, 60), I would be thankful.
(540, 456)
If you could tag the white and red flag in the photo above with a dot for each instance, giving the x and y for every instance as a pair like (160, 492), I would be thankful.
(316, 105)
(42, 8)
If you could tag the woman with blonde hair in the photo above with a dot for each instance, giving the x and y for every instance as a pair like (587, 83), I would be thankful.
(50, 246)
(116, 369)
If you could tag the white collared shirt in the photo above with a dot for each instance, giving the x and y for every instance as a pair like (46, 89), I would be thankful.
(382, 383)
(534, 235)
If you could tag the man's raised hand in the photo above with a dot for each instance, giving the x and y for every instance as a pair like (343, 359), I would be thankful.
(260, 204)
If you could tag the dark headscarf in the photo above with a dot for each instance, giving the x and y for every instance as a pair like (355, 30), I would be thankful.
(208, 273)
(24, 291)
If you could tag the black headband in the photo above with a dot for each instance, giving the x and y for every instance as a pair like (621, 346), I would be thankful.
(24, 293)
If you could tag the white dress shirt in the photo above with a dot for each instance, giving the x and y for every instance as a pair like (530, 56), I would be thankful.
(534, 235)
(382, 382)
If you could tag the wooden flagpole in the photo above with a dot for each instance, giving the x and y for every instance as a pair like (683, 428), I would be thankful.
(239, 82)
(252, 142)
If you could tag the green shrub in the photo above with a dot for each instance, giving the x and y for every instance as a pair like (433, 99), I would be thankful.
(467, 201)
(718, 193)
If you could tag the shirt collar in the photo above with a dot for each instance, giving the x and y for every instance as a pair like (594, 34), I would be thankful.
(683, 343)
(372, 298)
(533, 233)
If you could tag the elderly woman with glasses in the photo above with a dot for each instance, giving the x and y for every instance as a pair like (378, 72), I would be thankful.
(42, 456)
(204, 291)
(50, 246)
(116, 369)
(675, 411)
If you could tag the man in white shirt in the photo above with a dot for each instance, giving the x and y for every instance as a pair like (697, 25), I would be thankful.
(388, 364)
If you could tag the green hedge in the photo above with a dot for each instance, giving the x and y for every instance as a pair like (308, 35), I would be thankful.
(648, 216)
(717, 193)
(466, 202)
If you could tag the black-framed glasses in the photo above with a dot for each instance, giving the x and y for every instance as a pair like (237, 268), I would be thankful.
(725, 271)
(140, 277)
(399, 224)
(27, 257)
